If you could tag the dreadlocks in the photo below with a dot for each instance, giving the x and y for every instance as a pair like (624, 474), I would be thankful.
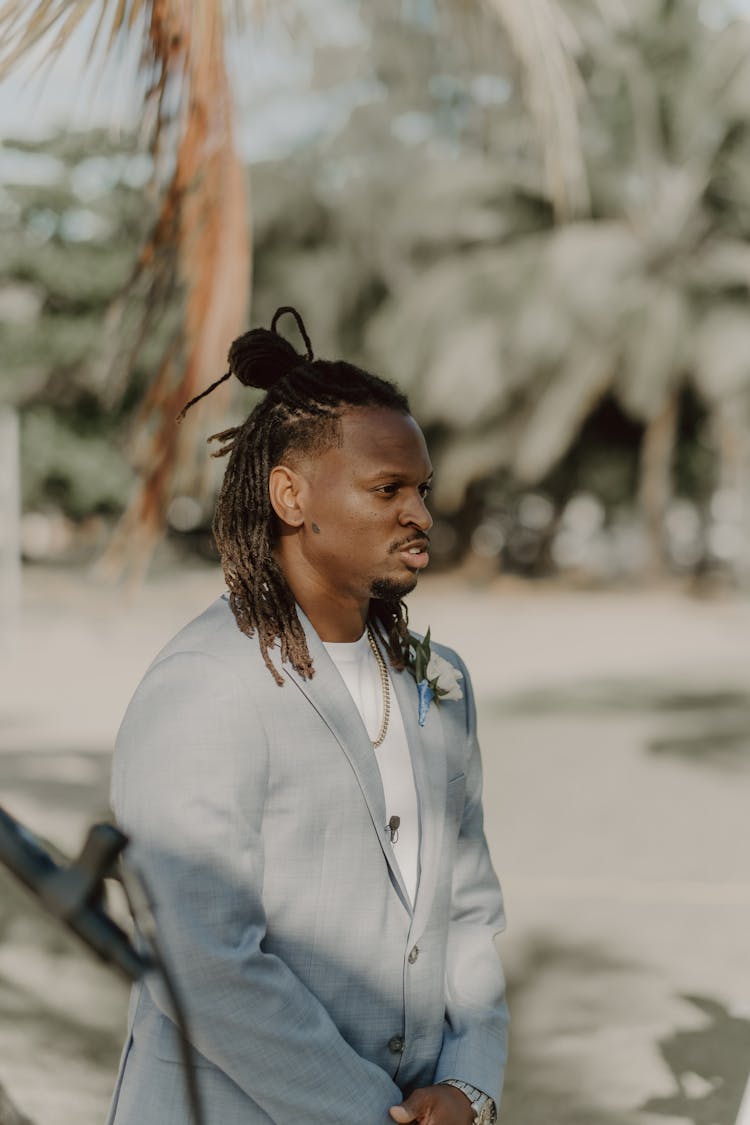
(300, 412)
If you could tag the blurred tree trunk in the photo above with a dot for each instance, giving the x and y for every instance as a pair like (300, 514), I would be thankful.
(655, 488)
(732, 436)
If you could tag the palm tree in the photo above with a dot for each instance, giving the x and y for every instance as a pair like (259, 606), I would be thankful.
(200, 241)
(644, 296)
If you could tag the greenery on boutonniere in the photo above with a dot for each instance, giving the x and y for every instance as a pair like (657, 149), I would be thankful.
(436, 677)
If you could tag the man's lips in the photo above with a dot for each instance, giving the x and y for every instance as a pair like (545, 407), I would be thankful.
(415, 553)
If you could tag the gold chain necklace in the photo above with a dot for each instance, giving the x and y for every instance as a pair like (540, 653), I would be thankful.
(385, 687)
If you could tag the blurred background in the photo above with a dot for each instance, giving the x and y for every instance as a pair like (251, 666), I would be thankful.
(535, 217)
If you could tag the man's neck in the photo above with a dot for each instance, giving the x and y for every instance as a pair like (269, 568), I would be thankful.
(333, 617)
(334, 626)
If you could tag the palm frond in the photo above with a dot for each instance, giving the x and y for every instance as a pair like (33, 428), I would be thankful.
(473, 353)
(545, 42)
(468, 457)
(24, 26)
(559, 412)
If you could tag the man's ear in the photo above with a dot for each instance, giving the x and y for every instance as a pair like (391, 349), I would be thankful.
(285, 488)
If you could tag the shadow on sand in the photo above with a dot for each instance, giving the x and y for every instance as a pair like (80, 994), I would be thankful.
(711, 727)
(563, 998)
(558, 1002)
(710, 1064)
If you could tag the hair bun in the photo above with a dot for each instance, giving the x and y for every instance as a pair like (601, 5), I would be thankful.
(261, 358)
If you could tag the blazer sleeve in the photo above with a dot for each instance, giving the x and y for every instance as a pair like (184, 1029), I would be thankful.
(476, 1015)
(189, 779)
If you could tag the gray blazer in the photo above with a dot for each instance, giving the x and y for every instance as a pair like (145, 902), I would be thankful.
(256, 813)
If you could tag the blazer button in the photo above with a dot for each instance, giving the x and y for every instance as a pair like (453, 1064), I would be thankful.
(413, 954)
(396, 1045)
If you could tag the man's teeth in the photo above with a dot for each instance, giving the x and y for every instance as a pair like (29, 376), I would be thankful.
(415, 550)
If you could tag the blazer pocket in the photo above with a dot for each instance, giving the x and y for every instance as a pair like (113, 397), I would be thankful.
(162, 1039)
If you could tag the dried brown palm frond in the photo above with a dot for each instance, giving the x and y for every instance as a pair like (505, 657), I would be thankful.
(199, 245)
(202, 236)
(23, 25)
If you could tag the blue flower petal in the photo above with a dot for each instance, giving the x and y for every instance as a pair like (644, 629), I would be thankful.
(426, 696)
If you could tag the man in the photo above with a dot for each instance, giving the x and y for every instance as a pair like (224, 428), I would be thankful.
(307, 816)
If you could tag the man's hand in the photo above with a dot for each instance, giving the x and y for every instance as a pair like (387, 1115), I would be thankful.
(434, 1105)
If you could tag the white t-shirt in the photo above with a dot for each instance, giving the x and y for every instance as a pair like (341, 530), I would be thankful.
(359, 671)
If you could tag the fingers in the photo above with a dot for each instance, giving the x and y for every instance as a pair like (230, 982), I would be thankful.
(402, 1113)
(434, 1105)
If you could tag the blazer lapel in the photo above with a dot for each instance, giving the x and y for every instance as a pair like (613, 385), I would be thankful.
(328, 694)
(427, 748)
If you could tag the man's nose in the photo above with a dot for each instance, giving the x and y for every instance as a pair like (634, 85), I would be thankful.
(417, 514)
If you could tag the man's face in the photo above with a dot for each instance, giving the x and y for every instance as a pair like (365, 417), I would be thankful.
(363, 502)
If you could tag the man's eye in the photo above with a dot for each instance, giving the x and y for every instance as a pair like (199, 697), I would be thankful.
(389, 489)
(425, 490)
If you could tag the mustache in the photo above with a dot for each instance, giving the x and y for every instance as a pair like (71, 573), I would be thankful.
(421, 538)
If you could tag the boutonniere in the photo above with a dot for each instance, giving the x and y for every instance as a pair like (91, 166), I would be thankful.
(436, 677)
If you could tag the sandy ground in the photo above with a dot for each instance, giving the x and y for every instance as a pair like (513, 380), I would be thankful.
(616, 740)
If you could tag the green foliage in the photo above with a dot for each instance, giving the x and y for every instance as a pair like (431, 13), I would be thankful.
(66, 467)
(74, 276)
(71, 247)
(64, 341)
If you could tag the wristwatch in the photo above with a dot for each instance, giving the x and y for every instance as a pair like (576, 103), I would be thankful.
(482, 1104)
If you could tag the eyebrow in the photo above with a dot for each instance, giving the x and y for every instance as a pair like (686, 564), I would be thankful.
(397, 474)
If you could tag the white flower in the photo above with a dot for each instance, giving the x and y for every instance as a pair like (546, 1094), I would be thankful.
(446, 675)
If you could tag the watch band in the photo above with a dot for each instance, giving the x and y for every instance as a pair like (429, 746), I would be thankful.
(482, 1104)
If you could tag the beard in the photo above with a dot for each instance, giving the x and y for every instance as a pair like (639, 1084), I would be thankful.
(388, 590)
